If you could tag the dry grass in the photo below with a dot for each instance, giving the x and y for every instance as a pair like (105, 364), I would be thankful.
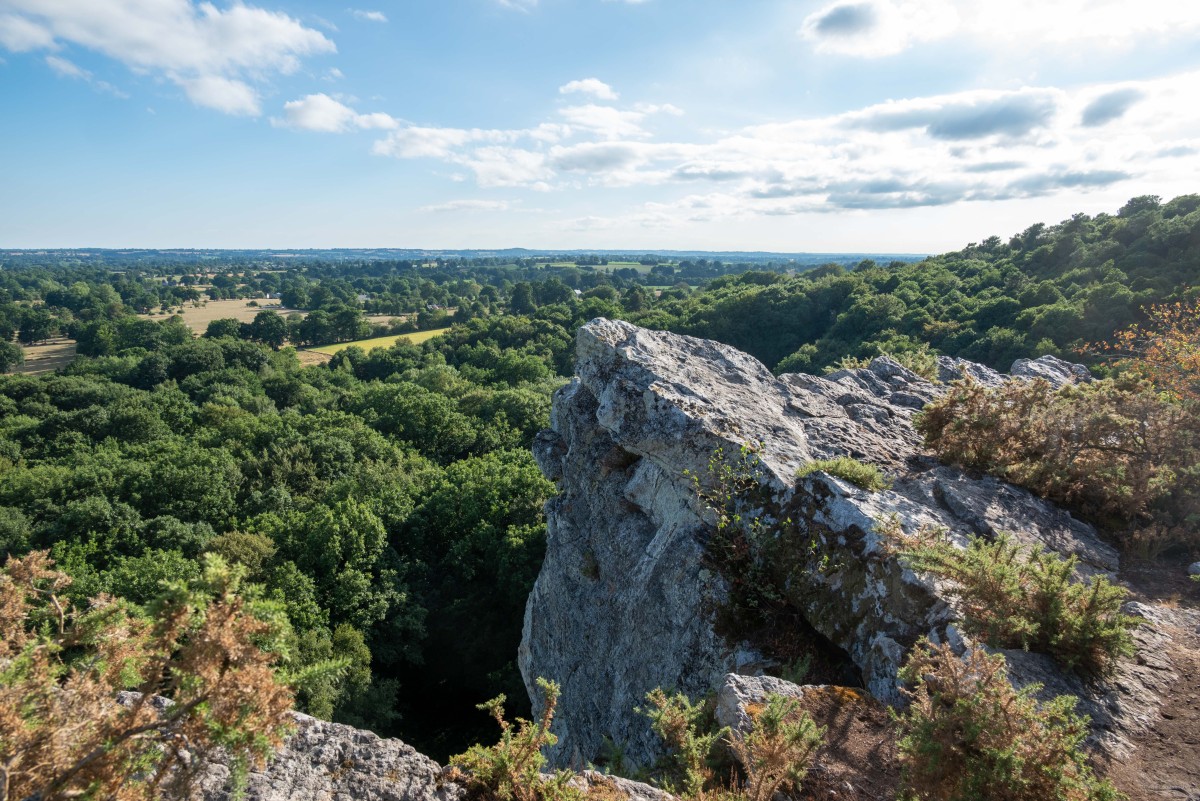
(197, 317)
(51, 355)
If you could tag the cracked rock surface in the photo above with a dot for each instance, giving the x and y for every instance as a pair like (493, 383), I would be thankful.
(624, 602)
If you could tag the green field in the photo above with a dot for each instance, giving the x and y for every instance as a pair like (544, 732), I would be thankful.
(417, 337)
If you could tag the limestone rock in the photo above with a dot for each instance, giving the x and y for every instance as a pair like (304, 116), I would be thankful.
(625, 598)
(325, 761)
(1052, 369)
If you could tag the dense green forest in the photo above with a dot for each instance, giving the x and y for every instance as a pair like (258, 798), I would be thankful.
(388, 499)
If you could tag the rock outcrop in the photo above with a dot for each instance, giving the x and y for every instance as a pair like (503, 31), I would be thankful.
(625, 599)
(325, 761)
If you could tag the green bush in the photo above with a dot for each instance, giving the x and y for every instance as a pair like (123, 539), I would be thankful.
(1016, 597)
(777, 752)
(968, 735)
(679, 722)
(774, 755)
(511, 770)
(860, 474)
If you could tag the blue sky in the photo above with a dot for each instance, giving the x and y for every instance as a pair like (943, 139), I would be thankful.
(853, 125)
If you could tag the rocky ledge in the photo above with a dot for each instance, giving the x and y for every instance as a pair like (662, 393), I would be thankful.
(625, 599)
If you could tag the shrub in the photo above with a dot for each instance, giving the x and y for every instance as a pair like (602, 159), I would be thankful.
(511, 770)
(968, 735)
(206, 648)
(678, 722)
(860, 474)
(1165, 349)
(775, 754)
(1026, 598)
(1115, 450)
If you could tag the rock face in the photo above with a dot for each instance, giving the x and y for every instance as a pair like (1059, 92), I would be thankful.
(625, 599)
(332, 762)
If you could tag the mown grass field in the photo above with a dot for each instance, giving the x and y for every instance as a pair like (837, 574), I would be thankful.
(416, 337)
(48, 356)
(197, 317)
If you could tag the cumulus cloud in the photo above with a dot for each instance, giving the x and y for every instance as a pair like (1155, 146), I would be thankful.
(1110, 106)
(966, 115)
(368, 16)
(322, 113)
(589, 86)
(213, 54)
(973, 146)
(227, 95)
(872, 28)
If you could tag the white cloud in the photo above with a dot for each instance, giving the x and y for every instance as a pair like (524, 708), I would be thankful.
(979, 145)
(213, 54)
(20, 34)
(518, 5)
(368, 16)
(67, 69)
(878, 27)
(604, 121)
(873, 28)
(322, 113)
(468, 205)
(589, 86)
(227, 95)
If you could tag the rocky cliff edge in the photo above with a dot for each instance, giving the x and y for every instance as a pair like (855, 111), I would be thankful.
(626, 597)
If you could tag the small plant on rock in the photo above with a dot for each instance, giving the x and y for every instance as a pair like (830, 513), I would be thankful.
(968, 735)
(774, 755)
(511, 770)
(678, 721)
(860, 474)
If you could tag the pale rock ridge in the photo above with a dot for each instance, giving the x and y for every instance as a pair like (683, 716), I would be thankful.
(325, 761)
(624, 600)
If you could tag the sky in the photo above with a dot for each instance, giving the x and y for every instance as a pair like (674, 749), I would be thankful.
(897, 126)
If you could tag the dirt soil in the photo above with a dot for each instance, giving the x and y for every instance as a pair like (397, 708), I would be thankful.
(858, 759)
(1166, 763)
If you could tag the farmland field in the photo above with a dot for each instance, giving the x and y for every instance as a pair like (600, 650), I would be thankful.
(416, 337)
(197, 318)
(47, 356)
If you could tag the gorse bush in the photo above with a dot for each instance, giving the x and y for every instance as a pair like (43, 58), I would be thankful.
(968, 735)
(860, 474)
(1013, 597)
(1115, 450)
(209, 647)
(778, 750)
(690, 742)
(511, 770)
(775, 754)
